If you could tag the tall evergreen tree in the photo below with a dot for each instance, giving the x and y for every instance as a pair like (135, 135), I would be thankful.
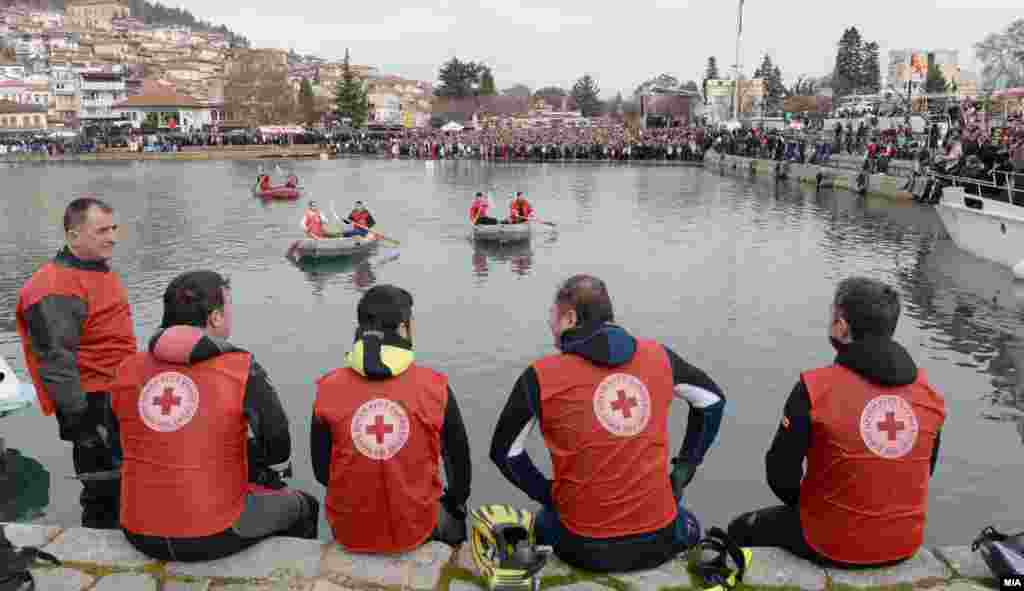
(350, 96)
(459, 79)
(711, 71)
(487, 83)
(775, 90)
(871, 77)
(849, 69)
(307, 102)
(586, 92)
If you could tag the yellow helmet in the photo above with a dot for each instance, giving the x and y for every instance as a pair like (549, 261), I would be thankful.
(504, 547)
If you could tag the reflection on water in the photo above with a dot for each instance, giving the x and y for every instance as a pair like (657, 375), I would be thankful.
(354, 272)
(518, 255)
(24, 487)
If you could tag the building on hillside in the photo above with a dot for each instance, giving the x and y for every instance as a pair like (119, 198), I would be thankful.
(16, 117)
(162, 107)
(99, 92)
(331, 73)
(127, 25)
(15, 91)
(911, 66)
(64, 85)
(267, 60)
(95, 14)
(11, 70)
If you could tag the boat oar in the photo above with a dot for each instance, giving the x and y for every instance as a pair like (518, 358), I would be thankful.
(358, 225)
(552, 224)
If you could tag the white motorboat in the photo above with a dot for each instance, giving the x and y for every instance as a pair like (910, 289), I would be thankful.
(990, 229)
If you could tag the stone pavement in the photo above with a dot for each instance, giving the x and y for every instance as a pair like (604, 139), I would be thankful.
(95, 560)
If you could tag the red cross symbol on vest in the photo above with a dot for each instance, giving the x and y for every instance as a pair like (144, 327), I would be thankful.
(891, 426)
(624, 404)
(166, 401)
(379, 429)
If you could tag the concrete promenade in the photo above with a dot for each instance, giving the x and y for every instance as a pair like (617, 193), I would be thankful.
(102, 560)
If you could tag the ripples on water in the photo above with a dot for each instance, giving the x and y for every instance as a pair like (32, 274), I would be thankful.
(734, 273)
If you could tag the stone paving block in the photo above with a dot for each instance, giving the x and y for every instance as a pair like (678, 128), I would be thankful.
(583, 586)
(61, 579)
(460, 585)
(419, 569)
(286, 556)
(967, 586)
(774, 567)
(126, 582)
(105, 547)
(324, 585)
(203, 585)
(554, 567)
(923, 566)
(967, 564)
(671, 574)
(27, 534)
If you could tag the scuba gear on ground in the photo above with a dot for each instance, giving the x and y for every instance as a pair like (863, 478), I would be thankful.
(15, 564)
(1004, 554)
(504, 548)
(709, 560)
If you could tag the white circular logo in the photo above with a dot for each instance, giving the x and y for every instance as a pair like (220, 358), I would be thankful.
(889, 427)
(380, 429)
(622, 405)
(168, 401)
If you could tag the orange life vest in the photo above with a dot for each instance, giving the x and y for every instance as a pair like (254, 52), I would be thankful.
(864, 498)
(385, 485)
(360, 217)
(520, 209)
(107, 334)
(184, 433)
(607, 432)
(314, 224)
(478, 209)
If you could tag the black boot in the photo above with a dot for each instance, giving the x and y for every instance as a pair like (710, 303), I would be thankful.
(308, 525)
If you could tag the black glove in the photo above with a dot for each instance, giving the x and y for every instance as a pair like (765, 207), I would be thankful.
(682, 474)
(80, 428)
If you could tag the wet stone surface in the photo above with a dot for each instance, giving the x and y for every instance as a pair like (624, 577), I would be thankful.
(97, 546)
(922, 567)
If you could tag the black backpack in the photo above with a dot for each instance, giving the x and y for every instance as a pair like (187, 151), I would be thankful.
(14, 565)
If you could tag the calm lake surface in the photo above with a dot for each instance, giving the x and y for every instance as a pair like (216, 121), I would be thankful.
(735, 274)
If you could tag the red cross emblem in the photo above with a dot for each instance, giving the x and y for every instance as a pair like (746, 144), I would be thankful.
(167, 401)
(889, 427)
(379, 429)
(622, 405)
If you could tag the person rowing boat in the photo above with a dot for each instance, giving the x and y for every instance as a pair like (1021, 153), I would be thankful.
(478, 211)
(314, 221)
(520, 210)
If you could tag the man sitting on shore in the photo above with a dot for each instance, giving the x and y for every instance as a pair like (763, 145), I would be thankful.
(184, 408)
(868, 426)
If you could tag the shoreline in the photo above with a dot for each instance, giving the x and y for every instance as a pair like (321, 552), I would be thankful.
(103, 559)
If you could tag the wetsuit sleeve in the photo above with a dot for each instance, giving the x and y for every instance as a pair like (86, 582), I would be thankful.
(707, 403)
(508, 448)
(55, 327)
(935, 452)
(784, 462)
(320, 450)
(370, 222)
(458, 467)
(271, 442)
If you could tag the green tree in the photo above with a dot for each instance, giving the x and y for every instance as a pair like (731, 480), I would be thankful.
(1002, 56)
(586, 92)
(935, 82)
(459, 79)
(487, 83)
(519, 90)
(550, 91)
(710, 73)
(307, 102)
(775, 90)
(849, 68)
(871, 75)
(350, 96)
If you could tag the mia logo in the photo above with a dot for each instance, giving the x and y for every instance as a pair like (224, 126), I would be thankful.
(168, 401)
(380, 429)
(889, 427)
(622, 405)
(1012, 583)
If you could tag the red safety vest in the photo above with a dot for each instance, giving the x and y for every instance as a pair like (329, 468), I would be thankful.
(107, 334)
(607, 432)
(478, 209)
(314, 224)
(865, 495)
(360, 217)
(184, 433)
(520, 209)
(265, 183)
(385, 485)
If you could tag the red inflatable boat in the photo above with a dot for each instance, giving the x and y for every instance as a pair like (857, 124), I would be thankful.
(278, 193)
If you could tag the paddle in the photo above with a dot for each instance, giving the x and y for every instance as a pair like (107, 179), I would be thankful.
(358, 225)
(532, 217)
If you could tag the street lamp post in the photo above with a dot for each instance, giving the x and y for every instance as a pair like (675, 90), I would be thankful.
(739, 66)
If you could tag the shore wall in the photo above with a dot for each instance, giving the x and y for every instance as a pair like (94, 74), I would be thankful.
(103, 560)
(842, 175)
(248, 153)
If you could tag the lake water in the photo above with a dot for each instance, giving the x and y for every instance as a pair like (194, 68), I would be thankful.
(735, 274)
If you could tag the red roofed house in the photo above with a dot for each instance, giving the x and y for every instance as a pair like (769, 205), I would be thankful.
(160, 105)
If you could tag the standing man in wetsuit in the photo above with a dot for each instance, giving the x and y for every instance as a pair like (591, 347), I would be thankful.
(76, 328)
(868, 426)
(602, 404)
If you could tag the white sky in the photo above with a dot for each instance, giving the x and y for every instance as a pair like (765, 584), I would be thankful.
(620, 43)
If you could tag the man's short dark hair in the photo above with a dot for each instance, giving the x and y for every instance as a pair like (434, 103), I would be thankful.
(77, 210)
(870, 307)
(383, 308)
(191, 297)
(588, 295)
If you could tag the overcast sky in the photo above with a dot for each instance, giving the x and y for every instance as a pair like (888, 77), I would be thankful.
(620, 43)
